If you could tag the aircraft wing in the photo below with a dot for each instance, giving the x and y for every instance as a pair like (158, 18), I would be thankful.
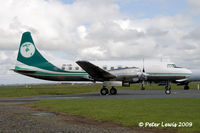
(94, 71)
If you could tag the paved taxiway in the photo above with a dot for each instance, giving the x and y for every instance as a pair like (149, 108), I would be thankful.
(16, 117)
(121, 94)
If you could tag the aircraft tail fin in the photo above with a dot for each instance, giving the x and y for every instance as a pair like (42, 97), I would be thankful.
(28, 55)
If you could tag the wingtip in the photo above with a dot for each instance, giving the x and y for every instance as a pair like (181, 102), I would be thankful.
(79, 61)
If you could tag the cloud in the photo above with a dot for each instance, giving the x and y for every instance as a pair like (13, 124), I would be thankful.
(84, 25)
(138, 38)
(87, 29)
(194, 2)
(93, 52)
(3, 56)
(194, 34)
(195, 6)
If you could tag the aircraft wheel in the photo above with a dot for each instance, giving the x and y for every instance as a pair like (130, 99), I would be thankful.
(167, 90)
(104, 91)
(186, 87)
(113, 91)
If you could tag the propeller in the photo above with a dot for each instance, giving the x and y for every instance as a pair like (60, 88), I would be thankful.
(143, 75)
(143, 70)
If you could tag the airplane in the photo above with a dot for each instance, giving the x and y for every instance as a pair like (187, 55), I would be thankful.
(30, 62)
(195, 77)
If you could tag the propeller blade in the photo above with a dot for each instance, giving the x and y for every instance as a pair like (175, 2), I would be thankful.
(143, 70)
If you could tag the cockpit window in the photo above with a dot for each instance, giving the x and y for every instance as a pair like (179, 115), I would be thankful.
(172, 66)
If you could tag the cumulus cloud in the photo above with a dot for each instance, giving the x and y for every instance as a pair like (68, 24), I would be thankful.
(87, 29)
(84, 25)
(94, 52)
(195, 4)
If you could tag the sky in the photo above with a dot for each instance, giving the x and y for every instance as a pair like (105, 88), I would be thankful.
(100, 30)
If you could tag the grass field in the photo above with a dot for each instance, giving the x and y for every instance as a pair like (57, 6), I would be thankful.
(132, 111)
(50, 89)
(64, 89)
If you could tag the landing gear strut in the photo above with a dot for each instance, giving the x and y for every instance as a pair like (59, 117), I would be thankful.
(186, 87)
(143, 88)
(168, 88)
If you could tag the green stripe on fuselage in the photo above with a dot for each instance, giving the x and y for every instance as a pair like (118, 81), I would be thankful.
(169, 74)
(67, 73)
(55, 74)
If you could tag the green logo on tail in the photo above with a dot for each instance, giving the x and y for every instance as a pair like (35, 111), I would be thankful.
(27, 49)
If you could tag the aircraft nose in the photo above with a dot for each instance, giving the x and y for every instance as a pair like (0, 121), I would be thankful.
(189, 72)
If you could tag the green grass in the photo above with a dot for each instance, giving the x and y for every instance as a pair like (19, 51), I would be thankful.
(40, 90)
(132, 111)
(64, 89)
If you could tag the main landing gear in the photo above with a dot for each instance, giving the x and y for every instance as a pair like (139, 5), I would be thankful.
(168, 88)
(142, 87)
(186, 87)
(105, 91)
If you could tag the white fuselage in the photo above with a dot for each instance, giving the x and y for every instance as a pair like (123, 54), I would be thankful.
(130, 71)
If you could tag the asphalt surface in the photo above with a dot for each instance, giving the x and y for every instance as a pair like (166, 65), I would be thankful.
(121, 94)
(17, 117)
(21, 118)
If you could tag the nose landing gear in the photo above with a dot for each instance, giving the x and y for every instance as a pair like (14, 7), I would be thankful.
(168, 88)
(186, 87)
(142, 88)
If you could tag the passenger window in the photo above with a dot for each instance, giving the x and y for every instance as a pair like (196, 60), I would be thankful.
(119, 67)
(77, 68)
(63, 66)
(104, 68)
(70, 68)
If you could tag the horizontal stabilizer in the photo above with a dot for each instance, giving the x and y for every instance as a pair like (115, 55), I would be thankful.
(94, 71)
(23, 71)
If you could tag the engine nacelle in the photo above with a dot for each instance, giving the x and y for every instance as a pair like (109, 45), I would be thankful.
(112, 83)
(135, 80)
(126, 84)
(116, 83)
